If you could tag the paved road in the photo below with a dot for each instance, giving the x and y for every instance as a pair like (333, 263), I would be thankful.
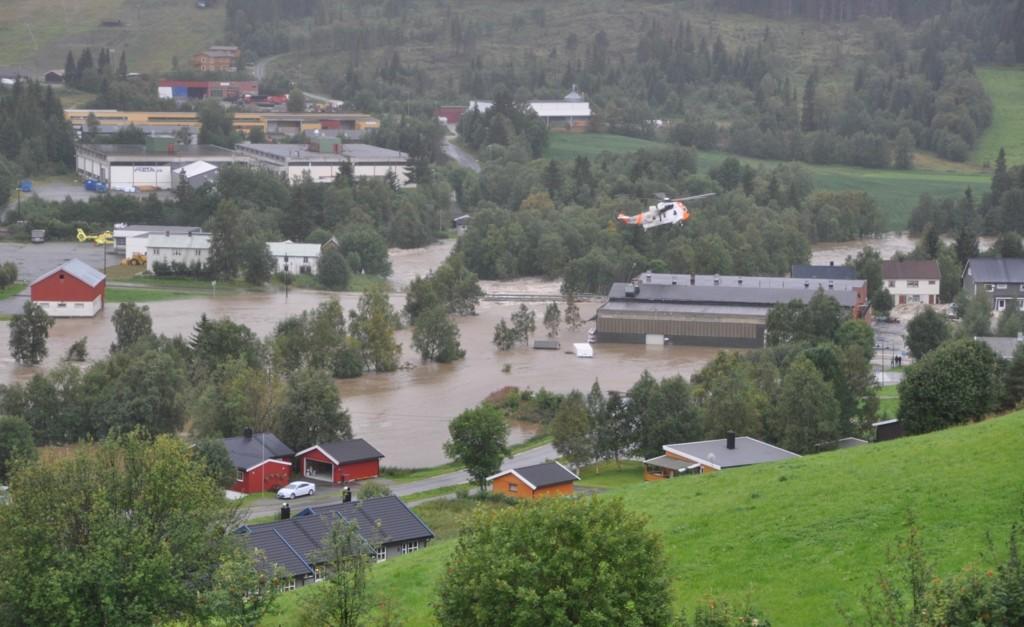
(330, 494)
(462, 157)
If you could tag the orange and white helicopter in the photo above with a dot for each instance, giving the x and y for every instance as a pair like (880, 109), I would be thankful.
(667, 211)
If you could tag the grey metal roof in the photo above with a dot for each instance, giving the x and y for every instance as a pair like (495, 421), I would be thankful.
(192, 151)
(802, 271)
(671, 463)
(927, 269)
(247, 452)
(295, 544)
(631, 306)
(366, 152)
(157, 228)
(748, 451)
(730, 280)
(1003, 346)
(78, 269)
(724, 295)
(996, 270)
(850, 442)
(349, 152)
(348, 451)
(541, 475)
(549, 345)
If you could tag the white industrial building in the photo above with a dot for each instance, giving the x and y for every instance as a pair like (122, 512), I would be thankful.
(138, 168)
(168, 248)
(570, 113)
(296, 258)
(296, 160)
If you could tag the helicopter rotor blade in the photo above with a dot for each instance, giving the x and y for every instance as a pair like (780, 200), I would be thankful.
(689, 198)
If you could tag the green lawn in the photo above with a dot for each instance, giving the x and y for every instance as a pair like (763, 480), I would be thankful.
(12, 290)
(803, 538)
(889, 401)
(1005, 86)
(143, 295)
(566, 146)
(609, 475)
(407, 475)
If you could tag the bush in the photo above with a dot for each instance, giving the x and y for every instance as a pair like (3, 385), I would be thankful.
(371, 489)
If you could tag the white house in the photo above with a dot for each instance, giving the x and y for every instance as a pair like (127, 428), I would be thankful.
(133, 238)
(296, 160)
(914, 281)
(171, 248)
(295, 258)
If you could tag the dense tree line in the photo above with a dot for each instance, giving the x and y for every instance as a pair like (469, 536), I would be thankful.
(504, 123)
(556, 219)
(34, 137)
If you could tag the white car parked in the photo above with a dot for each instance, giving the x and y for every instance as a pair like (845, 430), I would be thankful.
(296, 489)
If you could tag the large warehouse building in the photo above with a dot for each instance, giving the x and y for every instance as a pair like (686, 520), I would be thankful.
(709, 310)
(272, 123)
(144, 168)
(296, 160)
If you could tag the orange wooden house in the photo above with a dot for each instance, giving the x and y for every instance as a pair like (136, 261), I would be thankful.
(530, 482)
(694, 458)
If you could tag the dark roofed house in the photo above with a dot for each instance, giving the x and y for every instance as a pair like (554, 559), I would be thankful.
(385, 523)
(340, 461)
(262, 462)
(1003, 346)
(1001, 278)
(831, 271)
(712, 455)
(530, 482)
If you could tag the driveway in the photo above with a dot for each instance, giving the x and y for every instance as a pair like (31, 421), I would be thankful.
(262, 508)
(459, 155)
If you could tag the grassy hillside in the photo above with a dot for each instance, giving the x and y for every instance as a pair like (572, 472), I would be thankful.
(1005, 86)
(800, 539)
(896, 192)
(35, 35)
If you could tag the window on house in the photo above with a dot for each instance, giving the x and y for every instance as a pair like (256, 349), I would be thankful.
(1001, 303)
(318, 574)
(912, 283)
(892, 283)
(990, 287)
(239, 475)
(156, 251)
(380, 554)
(931, 282)
(513, 487)
(1001, 286)
(288, 585)
(61, 305)
(410, 547)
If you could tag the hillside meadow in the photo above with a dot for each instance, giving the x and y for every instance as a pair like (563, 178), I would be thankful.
(1005, 86)
(896, 191)
(802, 540)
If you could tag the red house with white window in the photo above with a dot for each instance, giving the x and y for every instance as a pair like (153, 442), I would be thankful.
(74, 289)
(262, 462)
(340, 461)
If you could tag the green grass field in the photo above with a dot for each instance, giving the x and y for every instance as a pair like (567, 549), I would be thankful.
(142, 295)
(36, 34)
(1005, 86)
(896, 192)
(12, 290)
(800, 539)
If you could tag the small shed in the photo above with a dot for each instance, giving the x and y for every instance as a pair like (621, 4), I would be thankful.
(546, 345)
(460, 224)
(197, 173)
(531, 482)
(887, 430)
(54, 77)
(74, 289)
(38, 236)
(340, 461)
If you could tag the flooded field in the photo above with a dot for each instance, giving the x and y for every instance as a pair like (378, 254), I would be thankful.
(887, 245)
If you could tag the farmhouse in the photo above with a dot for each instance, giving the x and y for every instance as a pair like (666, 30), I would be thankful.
(144, 168)
(572, 113)
(531, 482)
(295, 161)
(133, 238)
(295, 258)
(340, 461)
(168, 248)
(1001, 278)
(217, 59)
(73, 289)
(262, 462)
(710, 310)
(912, 281)
(694, 458)
(387, 526)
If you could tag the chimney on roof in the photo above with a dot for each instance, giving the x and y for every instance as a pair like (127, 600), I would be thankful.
(730, 440)
(286, 511)
(648, 277)
(831, 263)
(717, 279)
(247, 433)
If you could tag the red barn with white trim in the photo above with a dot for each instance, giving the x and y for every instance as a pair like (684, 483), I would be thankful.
(262, 462)
(73, 289)
(340, 461)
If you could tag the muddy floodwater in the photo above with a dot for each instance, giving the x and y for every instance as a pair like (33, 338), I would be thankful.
(887, 245)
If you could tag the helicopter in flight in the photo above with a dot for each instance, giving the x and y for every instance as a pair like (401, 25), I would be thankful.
(667, 211)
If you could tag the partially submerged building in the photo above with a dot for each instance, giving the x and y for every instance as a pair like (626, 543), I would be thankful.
(710, 310)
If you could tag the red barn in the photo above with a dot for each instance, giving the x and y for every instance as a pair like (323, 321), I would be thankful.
(340, 461)
(451, 114)
(262, 462)
(73, 289)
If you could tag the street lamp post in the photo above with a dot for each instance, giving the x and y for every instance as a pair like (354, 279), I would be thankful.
(287, 278)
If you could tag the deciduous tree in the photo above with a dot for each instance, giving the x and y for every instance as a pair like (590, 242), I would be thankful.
(552, 318)
(29, 331)
(925, 332)
(311, 411)
(573, 431)
(436, 337)
(334, 272)
(342, 599)
(131, 324)
(373, 326)
(15, 443)
(807, 414)
(479, 441)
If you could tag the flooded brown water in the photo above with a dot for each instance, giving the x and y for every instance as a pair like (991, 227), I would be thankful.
(887, 245)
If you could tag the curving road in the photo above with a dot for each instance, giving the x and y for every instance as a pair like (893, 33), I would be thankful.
(259, 70)
(459, 155)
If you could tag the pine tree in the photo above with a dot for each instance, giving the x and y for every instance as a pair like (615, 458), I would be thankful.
(553, 180)
(122, 66)
(84, 63)
(70, 69)
(808, 120)
(903, 151)
(1001, 181)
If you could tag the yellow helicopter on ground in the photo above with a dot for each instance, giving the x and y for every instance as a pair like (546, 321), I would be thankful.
(100, 239)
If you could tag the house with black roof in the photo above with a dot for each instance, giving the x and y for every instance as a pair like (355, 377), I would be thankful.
(385, 523)
(694, 458)
(1001, 279)
(530, 482)
(831, 271)
(262, 462)
(340, 461)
